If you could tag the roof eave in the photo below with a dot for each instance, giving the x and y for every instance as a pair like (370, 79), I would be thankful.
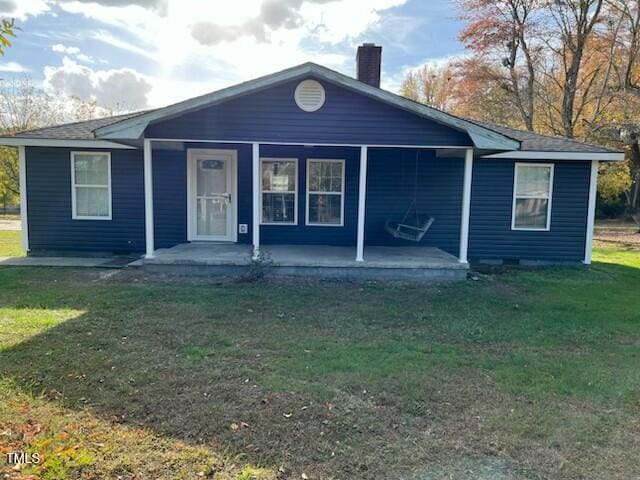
(61, 142)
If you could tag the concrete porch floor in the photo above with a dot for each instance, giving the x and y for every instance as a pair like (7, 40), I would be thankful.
(311, 260)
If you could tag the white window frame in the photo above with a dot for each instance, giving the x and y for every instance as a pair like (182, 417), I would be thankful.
(309, 192)
(295, 192)
(74, 215)
(551, 166)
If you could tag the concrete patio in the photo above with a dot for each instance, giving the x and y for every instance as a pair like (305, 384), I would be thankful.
(415, 263)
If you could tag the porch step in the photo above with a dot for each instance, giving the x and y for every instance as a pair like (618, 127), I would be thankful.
(381, 263)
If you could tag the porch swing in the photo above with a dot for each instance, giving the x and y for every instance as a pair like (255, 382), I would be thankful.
(413, 225)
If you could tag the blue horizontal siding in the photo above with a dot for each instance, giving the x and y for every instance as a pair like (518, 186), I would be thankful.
(51, 227)
(170, 193)
(490, 234)
(169, 197)
(271, 115)
(391, 182)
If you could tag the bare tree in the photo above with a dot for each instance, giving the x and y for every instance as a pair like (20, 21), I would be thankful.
(505, 28)
(575, 21)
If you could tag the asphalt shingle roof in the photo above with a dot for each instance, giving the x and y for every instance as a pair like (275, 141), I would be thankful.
(530, 141)
(76, 130)
(544, 143)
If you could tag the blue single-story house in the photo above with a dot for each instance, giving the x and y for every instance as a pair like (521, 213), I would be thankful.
(314, 163)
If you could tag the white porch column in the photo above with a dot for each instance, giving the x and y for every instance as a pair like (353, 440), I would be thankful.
(362, 196)
(148, 200)
(22, 167)
(255, 176)
(466, 206)
(591, 212)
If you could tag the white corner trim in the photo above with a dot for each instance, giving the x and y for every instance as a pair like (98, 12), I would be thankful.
(591, 212)
(50, 142)
(22, 166)
(540, 155)
(308, 193)
(255, 183)
(148, 200)
(295, 192)
(362, 197)
(466, 206)
(551, 166)
(74, 212)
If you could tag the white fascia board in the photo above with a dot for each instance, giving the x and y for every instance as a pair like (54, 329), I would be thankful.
(52, 142)
(540, 155)
(483, 138)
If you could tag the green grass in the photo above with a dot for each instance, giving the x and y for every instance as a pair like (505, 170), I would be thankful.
(10, 244)
(526, 374)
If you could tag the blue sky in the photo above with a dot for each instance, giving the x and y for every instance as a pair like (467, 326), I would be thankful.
(148, 53)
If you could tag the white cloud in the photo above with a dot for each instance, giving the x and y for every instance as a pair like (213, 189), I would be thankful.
(13, 67)
(60, 48)
(73, 52)
(21, 9)
(123, 88)
(197, 46)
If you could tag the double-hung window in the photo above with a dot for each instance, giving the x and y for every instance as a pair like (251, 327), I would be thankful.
(325, 192)
(532, 192)
(91, 185)
(279, 194)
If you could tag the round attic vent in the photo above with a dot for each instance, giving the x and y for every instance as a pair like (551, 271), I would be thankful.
(309, 95)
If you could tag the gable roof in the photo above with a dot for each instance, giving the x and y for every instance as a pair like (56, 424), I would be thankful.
(105, 132)
(133, 128)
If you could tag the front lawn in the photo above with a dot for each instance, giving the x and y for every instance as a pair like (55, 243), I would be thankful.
(520, 375)
(10, 244)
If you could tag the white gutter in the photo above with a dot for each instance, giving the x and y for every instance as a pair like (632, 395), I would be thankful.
(540, 155)
(56, 142)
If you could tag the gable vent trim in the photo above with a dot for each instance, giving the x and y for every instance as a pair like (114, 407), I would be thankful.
(309, 95)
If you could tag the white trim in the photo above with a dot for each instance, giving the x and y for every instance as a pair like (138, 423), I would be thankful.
(232, 179)
(482, 137)
(22, 173)
(295, 192)
(57, 142)
(591, 213)
(309, 192)
(466, 206)
(540, 155)
(148, 199)
(549, 197)
(255, 190)
(362, 197)
(311, 144)
(74, 214)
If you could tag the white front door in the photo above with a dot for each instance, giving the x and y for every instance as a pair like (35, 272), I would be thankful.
(212, 195)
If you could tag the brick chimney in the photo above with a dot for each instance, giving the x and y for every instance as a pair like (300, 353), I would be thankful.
(369, 59)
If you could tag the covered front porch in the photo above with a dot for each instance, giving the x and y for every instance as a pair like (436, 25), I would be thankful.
(416, 263)
(374, 183)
